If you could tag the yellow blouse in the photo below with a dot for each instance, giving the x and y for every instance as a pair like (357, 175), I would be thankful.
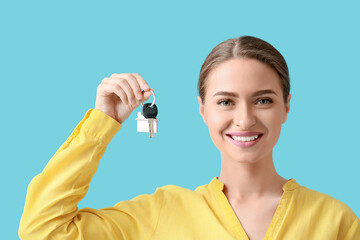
(171, 212)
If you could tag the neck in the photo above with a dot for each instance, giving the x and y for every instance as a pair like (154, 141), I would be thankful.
(250, 180)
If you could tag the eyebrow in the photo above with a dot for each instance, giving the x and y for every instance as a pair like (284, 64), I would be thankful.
(255, 94)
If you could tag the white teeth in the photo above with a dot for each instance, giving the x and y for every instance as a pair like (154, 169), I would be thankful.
(244, 139)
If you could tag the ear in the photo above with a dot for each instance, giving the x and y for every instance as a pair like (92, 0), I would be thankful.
(201, 109)
(287, 108)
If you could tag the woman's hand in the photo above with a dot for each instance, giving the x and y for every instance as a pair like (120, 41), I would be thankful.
(120, 94)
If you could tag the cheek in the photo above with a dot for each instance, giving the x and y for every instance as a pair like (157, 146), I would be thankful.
(273, 121)
(217, 120)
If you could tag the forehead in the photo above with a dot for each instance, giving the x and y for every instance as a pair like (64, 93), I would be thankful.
(244, 76)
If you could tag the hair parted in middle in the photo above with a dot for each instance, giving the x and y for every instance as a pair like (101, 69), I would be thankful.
(245, 47)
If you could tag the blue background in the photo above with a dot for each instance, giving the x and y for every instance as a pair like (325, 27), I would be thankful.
(55, 54)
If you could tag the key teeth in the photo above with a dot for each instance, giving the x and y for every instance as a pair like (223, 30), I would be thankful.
(145, 124)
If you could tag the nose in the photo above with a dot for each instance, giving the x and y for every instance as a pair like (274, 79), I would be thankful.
(244, 117)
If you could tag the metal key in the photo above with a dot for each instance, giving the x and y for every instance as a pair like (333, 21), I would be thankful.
(150, 112)
(146, 120)
(143, 124)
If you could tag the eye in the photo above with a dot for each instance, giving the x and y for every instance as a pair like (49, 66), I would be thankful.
(225, 102)
(263, 101)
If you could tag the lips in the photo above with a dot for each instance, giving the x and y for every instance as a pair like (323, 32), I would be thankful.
(244, 139)
(244, 134)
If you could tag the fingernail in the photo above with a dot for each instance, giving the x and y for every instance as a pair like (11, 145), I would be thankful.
(139, 96)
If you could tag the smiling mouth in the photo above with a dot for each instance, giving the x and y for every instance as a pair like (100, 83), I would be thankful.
(245, 138)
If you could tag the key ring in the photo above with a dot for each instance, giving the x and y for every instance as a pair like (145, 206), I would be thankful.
(153, 101)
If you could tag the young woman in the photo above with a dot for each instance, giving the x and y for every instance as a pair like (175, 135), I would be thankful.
(244, 99)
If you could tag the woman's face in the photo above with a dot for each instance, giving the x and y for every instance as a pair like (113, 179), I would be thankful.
(244, 109)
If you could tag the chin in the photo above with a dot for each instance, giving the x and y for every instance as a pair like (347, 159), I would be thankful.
(246, 157)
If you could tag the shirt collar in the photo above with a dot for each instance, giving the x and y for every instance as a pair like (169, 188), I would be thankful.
(217, 185)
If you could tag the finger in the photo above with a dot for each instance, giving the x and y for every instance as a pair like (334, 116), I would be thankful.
(110, 88)
(134, 84)
(141, 82)
(124, 84)
(147, 94)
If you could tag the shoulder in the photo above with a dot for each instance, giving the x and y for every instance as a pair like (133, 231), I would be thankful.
(322, 203)
(323, 211)
(158, 198)
(174, 191)
(166, 193)
(316, 197)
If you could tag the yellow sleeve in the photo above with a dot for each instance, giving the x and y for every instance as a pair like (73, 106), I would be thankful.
(51, 211)
(354, 231)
